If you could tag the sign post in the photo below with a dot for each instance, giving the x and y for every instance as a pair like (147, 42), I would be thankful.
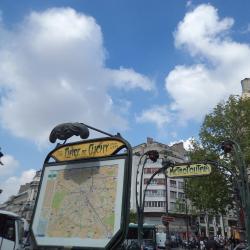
(83, 197)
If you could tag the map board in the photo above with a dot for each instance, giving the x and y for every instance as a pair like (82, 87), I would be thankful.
(79, 204)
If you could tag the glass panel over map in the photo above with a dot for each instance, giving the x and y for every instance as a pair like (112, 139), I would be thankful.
(80, 204)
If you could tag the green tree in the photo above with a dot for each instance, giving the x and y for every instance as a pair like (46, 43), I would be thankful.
(228, 120)
(132, 217)
(209, 194)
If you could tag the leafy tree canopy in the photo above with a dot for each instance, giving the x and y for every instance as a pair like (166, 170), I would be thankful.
(209, 194)
(228, 120)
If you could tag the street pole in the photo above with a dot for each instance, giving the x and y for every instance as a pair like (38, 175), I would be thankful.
(139, 201)
(167, 223)
(187, 220)
(243, 182)
(153, 155)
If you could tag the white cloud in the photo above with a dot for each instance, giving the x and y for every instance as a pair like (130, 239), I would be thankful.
(157, 114)
(187, 144)
(11, 185)
(52, 69)
(10, 165)
(219, 64)
(222, 63)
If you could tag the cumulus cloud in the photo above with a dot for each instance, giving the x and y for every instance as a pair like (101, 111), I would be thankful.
(10, 165)
(52, 70)
(12, 184)
(219, 64)
(187, 144)
(197, 88)
(157, 114)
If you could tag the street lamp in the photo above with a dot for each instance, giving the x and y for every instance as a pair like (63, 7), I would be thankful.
(1, 155)
(167, 223)
(140, 208)
(186, 208)
(231, 146)
(153, 155)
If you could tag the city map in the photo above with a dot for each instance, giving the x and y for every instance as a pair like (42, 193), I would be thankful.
(79, 203)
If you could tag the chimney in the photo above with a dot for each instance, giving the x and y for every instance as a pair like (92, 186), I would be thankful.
(245, 88)
(150, 140)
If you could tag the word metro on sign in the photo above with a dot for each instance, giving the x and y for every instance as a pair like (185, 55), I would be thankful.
(189, 170)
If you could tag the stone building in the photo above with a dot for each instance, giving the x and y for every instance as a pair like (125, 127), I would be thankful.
(156, 198)
(185, 216)
(23, 203)
(245, 84)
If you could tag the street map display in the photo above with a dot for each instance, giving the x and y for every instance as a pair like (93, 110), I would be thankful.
(80, 204)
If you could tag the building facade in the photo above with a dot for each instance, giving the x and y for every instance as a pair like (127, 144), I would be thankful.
(162, 199)
(23, 203)
(163, 194)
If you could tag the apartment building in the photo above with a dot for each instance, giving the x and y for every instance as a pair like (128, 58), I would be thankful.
(177, 205)
(23, 202)
(155, 197)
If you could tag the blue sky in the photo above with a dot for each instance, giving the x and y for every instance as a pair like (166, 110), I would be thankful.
(142, 68)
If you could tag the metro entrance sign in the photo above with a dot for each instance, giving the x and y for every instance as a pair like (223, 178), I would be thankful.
(83, 197)
(189, 170)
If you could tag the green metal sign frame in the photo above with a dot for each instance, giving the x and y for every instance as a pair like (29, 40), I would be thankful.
(186, 170)
(52, 166)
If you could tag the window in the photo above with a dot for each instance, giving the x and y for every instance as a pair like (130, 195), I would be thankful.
(172, 183)
(181, 195)
(182, 207)
(173, 194)
(202, 219)
(181, 184)
(150, 170)
(155, 193)
(7, 229)
(161, 181)
(155, 181)
(172, 206)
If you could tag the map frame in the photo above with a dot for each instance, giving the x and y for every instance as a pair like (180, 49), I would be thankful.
(122, 162)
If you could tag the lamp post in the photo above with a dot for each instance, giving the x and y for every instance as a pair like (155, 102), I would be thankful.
(153, 155)
(231, 146)
(186, 210)
(167, 224)
(1, 155)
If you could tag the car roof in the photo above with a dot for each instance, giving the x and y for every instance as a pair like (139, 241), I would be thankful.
(8, 213)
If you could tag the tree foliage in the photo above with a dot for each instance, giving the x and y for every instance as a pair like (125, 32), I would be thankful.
(132, 217)
(209, 194)
(228, 120)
